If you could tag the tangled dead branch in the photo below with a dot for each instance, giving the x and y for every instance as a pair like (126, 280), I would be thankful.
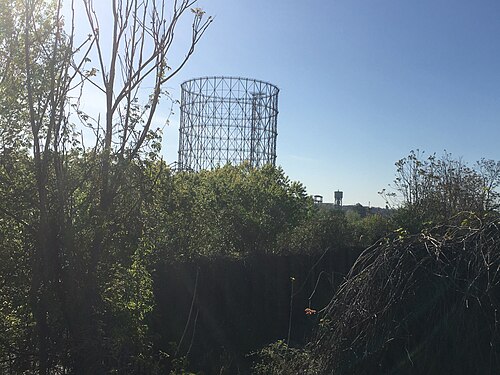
(421, 304)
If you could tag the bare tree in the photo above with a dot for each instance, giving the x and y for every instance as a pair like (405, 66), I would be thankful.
(436, 189)
(141, 41)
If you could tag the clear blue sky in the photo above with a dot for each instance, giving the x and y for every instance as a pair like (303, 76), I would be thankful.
(362, 82)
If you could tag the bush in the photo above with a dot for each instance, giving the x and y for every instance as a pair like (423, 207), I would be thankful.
(278, 358)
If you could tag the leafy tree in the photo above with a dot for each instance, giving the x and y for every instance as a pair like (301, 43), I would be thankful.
(70, 208)
(230, 211)
(16, 318)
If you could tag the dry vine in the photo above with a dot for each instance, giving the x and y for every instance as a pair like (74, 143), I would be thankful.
(422, 304)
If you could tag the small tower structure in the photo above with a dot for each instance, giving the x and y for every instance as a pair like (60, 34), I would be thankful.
(317, 199)
(337, 198)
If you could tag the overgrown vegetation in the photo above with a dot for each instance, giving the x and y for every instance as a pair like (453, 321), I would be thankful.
(239, 213)
(419, 304)
(231, 211)
(425, 298)
(432, 190)
(278, 358)
(76, 287)
(88, 232)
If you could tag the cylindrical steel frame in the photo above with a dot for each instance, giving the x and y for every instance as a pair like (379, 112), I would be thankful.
(227, 120)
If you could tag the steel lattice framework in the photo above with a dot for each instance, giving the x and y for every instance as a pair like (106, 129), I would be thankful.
(227, 120)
